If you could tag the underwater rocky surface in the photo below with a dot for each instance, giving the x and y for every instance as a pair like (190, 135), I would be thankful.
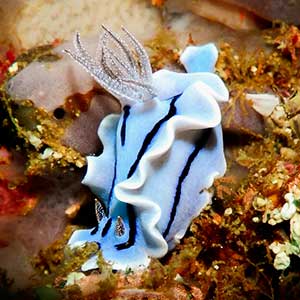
(245, 245)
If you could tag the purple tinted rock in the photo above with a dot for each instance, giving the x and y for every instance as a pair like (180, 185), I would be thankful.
(241, 118)
(49, 84)
(287, 11)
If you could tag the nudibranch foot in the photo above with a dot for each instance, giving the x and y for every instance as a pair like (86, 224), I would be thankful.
(160, 156)
(134, 257)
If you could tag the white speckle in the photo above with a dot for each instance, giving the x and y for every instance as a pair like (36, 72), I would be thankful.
(47, 153)
(288, 130)
(275, 217)
(228, 211)
(272, 222)
(295, 229)
(79, 164)
(57, 155)
(73, 277)
(289, 197)
(34, 141)
(253, 69)
(179, 278)
(39, 128)
(288, 210)
(13, 68)
(259, 202)
(281, 261)
(262, 170)
(276, 247)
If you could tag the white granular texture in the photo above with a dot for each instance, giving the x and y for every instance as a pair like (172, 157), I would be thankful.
(41, 21)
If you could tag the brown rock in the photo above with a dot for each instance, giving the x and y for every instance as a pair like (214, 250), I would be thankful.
(239, 117)
(230, 15)
(285, 10)
(139, 294)
(52, 86)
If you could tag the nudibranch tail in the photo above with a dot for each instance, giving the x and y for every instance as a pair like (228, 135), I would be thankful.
(122, 67)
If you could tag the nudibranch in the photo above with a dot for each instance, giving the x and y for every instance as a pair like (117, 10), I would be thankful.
(161, 154)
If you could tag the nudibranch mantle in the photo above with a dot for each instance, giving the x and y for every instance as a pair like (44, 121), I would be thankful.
(161, 154)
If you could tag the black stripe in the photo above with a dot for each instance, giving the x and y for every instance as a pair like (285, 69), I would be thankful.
(123, 134)
(126, 110)
(112, 187)
(94, 231)
(106, 227)
(147, 141)
(200, 144)
(150, 135)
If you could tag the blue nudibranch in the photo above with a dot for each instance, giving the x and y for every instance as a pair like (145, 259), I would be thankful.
(161, 154)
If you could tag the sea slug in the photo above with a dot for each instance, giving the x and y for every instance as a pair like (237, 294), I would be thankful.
(161, 154)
